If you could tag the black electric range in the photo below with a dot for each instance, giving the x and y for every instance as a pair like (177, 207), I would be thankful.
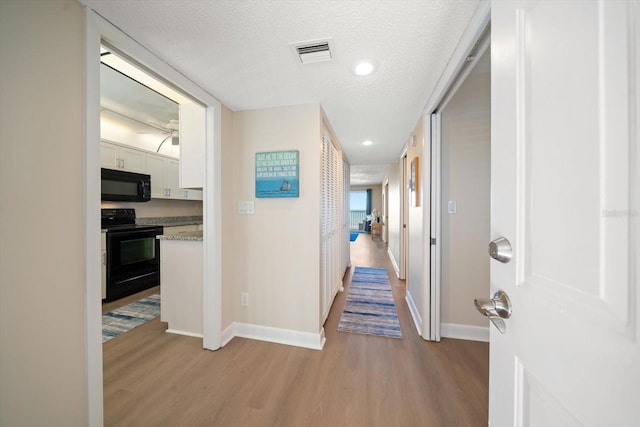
(133, 253)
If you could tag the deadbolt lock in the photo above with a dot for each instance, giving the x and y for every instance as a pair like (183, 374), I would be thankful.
(500, 250)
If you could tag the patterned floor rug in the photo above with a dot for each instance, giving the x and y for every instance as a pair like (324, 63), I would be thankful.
(123, 319)
(369, 308)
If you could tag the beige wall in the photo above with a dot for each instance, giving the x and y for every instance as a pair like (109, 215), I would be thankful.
(276, 250)
(42, 253)
(466, 168)
(228, 212)
(376, 196)
(160, 207)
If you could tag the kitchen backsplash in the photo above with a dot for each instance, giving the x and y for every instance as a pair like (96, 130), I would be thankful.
(160, 208)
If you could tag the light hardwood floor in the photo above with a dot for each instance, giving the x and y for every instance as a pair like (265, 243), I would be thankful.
(152, 378)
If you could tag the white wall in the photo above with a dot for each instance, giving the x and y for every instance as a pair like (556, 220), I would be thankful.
(42, 220)
(276, 250)
(415, 255)
(466, 178)
(160, 207)
(228, 208)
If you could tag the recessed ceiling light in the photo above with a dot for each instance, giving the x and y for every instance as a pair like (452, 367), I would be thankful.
(367, 142)
(363, 68)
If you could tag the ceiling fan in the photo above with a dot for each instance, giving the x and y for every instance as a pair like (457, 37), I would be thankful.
(173, 127)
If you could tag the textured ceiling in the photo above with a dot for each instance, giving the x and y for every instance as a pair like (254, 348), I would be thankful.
(238, 51)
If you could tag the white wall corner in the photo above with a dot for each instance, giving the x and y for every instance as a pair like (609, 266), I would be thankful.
(393, 262)
(465, 332)
(278, 335)
(415, 314)
(227, 334)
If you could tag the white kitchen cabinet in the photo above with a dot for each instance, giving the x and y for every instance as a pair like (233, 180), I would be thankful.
(164, 170)
(156, 167)
(165, 180)
(115, 156)
(191, 194)
(193, 127)
(133, 160)
(109, 156)
(173, 180)
(181, 274)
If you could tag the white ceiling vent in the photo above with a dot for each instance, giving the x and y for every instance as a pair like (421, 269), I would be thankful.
(313, 51)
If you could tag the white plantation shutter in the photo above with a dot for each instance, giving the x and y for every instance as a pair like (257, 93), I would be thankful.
(331, 222)
(323, 189)
(346, 248)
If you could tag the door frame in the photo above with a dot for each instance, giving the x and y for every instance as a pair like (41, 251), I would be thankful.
(430, 321)
(385, 211)
(404, 217)
(98, 30)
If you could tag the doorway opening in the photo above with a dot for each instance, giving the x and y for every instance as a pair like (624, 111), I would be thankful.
(465, 208)
(100, 34)
(460, 211)
(365, 203)
(357, 210)
(385, 211)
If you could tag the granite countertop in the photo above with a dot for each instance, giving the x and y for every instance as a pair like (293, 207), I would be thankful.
(194, 236)
(170, 221)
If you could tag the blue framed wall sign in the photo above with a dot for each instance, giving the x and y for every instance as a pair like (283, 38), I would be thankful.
(277, 174)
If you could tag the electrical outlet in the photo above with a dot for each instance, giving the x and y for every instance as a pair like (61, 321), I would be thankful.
(244, 299)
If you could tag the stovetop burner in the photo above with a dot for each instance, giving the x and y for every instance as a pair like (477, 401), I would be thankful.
(122, 220)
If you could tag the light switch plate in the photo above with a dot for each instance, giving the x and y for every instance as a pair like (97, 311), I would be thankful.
(452, 206)
(245, 207)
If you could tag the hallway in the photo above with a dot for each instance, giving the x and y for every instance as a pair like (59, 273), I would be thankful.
(155, 378)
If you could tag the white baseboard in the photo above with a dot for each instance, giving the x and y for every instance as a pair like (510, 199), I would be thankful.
(465, 332)
(227, 335)
(393, 262)
(179, 332)
(276, 335)
(415, 314)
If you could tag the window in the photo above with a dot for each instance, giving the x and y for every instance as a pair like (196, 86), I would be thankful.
(358, 208)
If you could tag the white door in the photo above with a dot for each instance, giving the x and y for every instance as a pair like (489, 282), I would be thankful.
(565, 191)
(404, 212)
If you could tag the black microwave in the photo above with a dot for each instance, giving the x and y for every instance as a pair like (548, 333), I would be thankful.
(122, 186)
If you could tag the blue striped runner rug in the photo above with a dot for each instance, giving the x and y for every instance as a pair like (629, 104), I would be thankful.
(123, 319)
(369, 308)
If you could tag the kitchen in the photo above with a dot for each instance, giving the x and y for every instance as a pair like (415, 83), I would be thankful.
(151, 211)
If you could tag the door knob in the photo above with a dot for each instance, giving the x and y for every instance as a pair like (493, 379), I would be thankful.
(500, 250)
(496, 309)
